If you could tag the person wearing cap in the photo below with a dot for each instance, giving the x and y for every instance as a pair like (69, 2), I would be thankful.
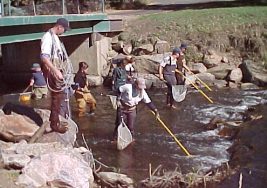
(57, 69)
(167, 72)
(181, 64)
(38, 82)
(130, 96)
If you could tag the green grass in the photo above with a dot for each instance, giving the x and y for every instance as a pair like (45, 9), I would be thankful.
(209, 20)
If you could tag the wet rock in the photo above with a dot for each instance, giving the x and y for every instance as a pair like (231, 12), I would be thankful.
(227, 131)
(248, 86)
(254, 72)
(115, 178)
(213, 124)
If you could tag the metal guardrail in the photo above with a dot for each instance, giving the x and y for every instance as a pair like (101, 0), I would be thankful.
(48, 7)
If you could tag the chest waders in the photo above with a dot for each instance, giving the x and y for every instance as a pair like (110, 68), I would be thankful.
(169, 76)
(180, 79)
(60, 89)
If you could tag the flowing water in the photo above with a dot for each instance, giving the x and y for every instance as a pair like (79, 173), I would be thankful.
(153, 144)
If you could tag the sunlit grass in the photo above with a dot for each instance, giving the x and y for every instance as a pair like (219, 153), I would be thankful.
(208, 20)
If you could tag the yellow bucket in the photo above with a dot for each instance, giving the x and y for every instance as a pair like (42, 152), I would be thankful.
(25, 97)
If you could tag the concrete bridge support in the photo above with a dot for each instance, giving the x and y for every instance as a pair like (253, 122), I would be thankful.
(19, 57)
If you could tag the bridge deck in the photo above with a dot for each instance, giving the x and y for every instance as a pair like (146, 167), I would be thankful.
(28, 28)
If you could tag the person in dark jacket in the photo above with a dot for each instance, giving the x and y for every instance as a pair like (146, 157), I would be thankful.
(82, 93)
(167, 72)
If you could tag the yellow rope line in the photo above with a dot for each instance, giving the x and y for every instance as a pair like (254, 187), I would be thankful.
(198, 79)
(195, 86)
(169, 131)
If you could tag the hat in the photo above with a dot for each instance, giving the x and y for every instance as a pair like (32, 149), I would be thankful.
(36, 66)
(64, 23)
(183, 46)
(141, 83)
(176, 51)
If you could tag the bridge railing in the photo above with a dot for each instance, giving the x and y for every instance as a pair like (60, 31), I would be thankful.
(50, 7)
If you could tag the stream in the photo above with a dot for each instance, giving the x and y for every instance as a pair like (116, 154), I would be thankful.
(153, 145)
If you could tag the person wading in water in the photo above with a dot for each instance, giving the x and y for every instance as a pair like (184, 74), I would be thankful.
(130, 96)
(167, 72)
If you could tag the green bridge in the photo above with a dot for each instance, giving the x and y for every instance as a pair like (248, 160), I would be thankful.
(27, 28)
(86, 41)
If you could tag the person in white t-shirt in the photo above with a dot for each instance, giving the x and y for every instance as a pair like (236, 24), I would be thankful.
(55, 64)
(130, 96)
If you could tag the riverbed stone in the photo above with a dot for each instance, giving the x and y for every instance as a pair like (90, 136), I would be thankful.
(254, 72)
(57, 169)
(220, 83)
(161, 47)
(236, 75)
(148, 63)
(207, 78)
(144, 49)
(15, 127)
(198, 68)
(115, 178)
(221, 70)
(248, 86)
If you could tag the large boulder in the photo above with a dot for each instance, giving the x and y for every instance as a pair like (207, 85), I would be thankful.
(206, 78)
(198, 68)
(144, 49)
(211, 59)
(236, 75)
(221, 71)
(161, 47)
(57, 169)
(15, 127)
(148, 63)
(254, 73)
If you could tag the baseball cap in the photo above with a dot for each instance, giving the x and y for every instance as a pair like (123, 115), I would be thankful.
(63, 22)
(35, 66)
(141, 83)
(176, 51)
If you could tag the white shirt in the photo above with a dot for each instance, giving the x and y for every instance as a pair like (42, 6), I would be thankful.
(47, 43)
(127, 95)
(167, 60)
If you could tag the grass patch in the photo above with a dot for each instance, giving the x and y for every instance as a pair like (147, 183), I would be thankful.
(208, 20)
